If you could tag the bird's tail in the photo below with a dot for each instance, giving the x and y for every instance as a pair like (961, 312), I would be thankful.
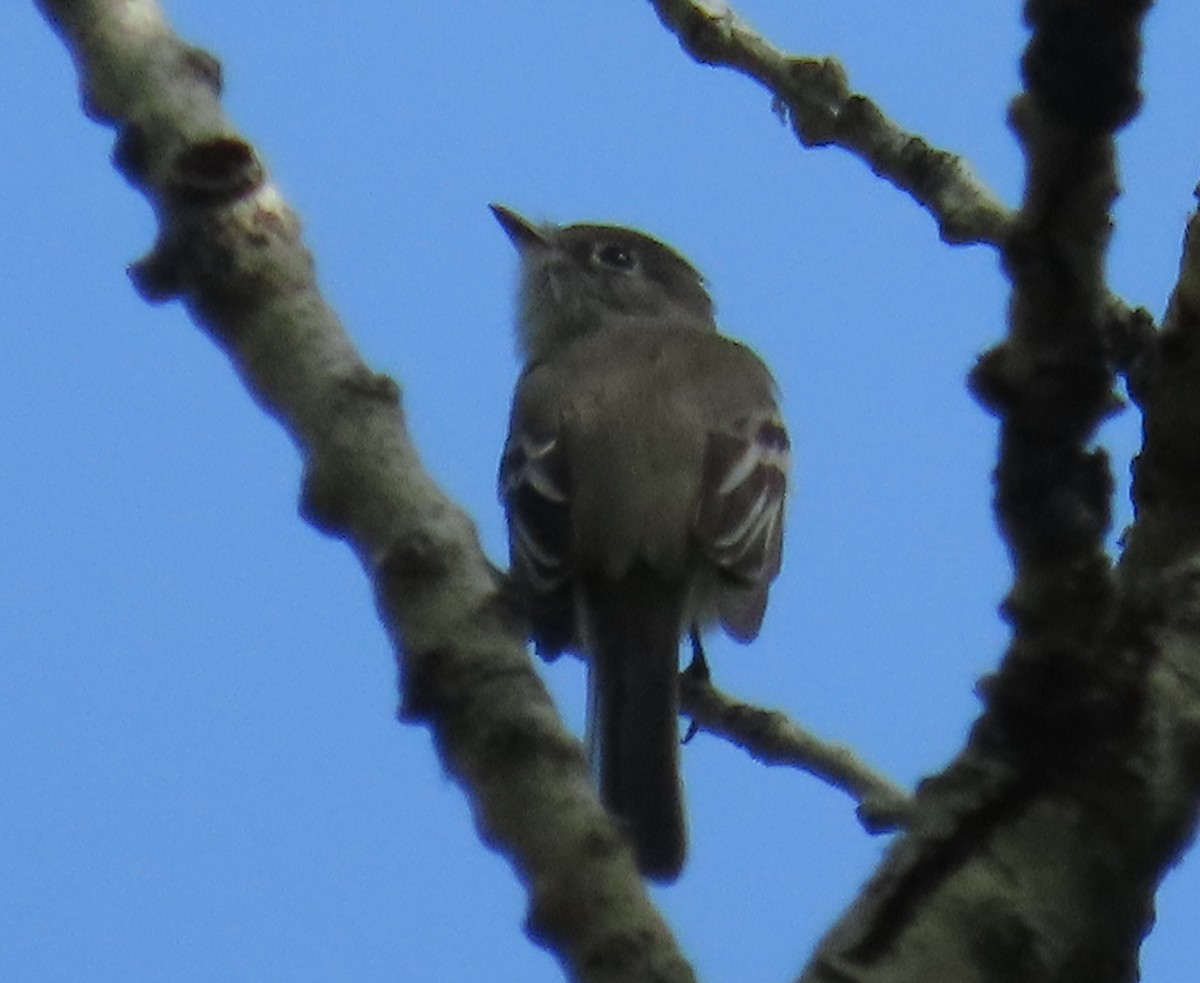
(633, 628)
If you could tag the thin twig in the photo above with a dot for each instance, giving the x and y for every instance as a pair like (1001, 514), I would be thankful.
(814, 96)
(771, 737)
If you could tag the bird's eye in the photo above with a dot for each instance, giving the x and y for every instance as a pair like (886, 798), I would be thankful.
(616, 257)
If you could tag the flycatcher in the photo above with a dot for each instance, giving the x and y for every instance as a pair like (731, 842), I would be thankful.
(643, 479)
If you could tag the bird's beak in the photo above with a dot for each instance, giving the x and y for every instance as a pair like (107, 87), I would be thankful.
(523, 233)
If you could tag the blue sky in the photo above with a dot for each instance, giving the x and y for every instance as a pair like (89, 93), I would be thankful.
(202, 776)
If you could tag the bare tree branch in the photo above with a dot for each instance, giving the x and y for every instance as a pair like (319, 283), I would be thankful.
(770, 737)
(1162, 554)
(814, 95)
(229, 248)
(1165, 382)
(1041, 846)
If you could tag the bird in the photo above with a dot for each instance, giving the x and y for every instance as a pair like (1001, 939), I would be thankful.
(644, 481)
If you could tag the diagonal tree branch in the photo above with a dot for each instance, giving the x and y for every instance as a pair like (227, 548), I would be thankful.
(815, 97)
(229, 248)
(770, 737)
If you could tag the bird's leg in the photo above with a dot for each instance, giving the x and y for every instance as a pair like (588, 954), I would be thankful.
(696, 671)
(698, 668)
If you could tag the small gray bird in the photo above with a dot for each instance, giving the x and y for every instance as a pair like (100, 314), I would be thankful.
(643, 479)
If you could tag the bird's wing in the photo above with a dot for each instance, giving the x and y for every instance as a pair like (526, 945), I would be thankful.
(534, 488)
(740, 519)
